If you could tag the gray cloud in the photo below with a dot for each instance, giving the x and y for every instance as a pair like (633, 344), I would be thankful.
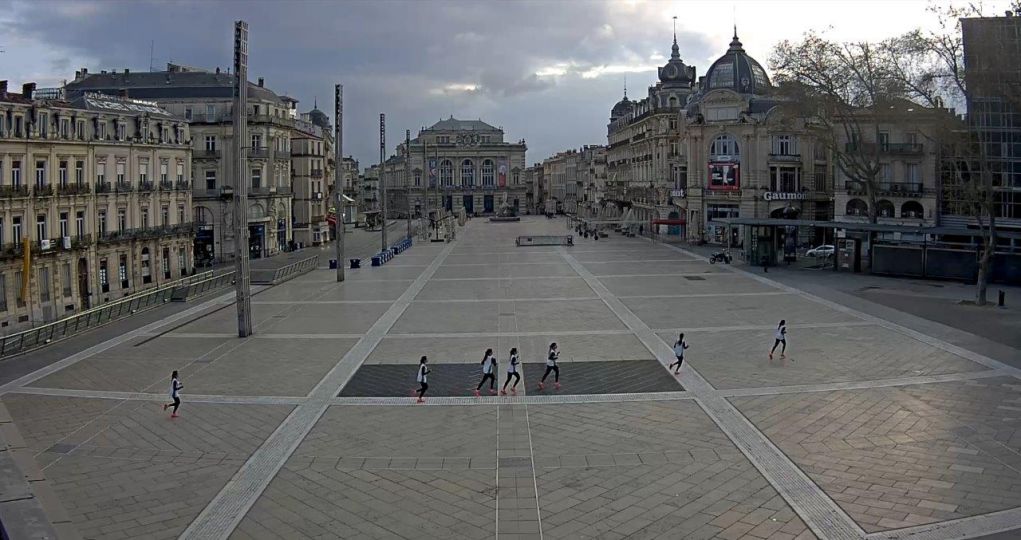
(416, 61)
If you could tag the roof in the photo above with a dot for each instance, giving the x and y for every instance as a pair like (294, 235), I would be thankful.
(737, 71)
(453, 124)
(167, 85)
(104, 103)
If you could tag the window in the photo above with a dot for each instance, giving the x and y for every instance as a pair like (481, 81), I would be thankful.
(65, 279)
(16, 174)
(164, 173)
(102, 223)
(3, 292)
(79, 224)
(785, 145)
(143, 172)
(210, 143)
(44, 284)
(256, 141)
(857, 207)
(40, 174)
(911, 137)
(40, 227)
(467, 173)
(100, 174)
(146, 270)
(79, 172)
(721, 114)
(784, 179)
(487, 172)
(63, 224)
(210, 113)
(121, 131)
(44, 124)
(2, 231)
(101, 130)
(104, 276)
(180, 213)
(120, 173)
(911, 173)
(122, 219)
(145, 218)
(16, 229)
(256, 178)
(79, 130)
(62, 174)
(65, 128)
(180, 173)
(181, 262)
(446, 173)
(418, 178)
(884, 140)
(723, 148)
(210, 180)
(18, 124)
(165, 216)
(885, 172)
(19, 281)
(187, 113)
(165, 263)
(122, 271)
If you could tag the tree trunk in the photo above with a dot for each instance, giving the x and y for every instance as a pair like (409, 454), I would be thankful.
(985, 262)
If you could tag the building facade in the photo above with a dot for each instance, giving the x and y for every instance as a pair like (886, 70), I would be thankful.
(205, 100)
(458, 164)
(577, 180)
(312, 173)
(535, 193)
(101, 186)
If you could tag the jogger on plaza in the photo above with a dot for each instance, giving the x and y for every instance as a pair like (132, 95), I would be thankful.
(175, 394)
(679, 353)
(551, 366)
(780, 337)
(512, 371)
(488, 372)
(423, 372)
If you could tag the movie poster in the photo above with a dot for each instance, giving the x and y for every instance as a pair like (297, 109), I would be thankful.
(502, 174)
(724, 176)
(432, 172)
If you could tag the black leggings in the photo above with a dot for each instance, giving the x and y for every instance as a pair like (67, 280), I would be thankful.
(177, 403)
(517, 378)
(776, 342)
(421, 391)
(556, 373)
(492, 381)
(678, 363)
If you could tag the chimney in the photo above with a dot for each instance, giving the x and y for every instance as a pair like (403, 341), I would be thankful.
(262, 82)
(124, 93)
(217, 70)
(3, 89)
(85, 71)
(27, 90)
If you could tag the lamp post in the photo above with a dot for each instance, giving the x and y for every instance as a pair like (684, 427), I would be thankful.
(407, 174)
(382, 175)
(242, 277)
(338, 176)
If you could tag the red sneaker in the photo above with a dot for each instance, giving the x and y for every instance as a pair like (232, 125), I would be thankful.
(420, 400)
(503, 392)
(173, 415)
(514, 391)
(557, 385)
(492, 392)
(476, 392)
(541, 386)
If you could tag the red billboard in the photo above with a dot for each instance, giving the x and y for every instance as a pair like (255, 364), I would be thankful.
(724, 176)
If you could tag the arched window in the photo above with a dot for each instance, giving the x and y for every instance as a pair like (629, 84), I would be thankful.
(857, 207)
(884, 208)
(673, 101)
(203, 215)
(418, 177)
(487, 172)
(724, 148)
(912, 210)
(467, 173)
(446, 173)
(256, 211)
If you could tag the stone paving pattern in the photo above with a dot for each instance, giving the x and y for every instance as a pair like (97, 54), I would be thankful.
(890, 457)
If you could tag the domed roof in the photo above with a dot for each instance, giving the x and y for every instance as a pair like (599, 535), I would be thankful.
(675, 73)
(319, 118)
(737, 71)
(622, 107)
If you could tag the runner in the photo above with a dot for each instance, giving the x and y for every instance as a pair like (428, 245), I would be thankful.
(423, 372)
(551, 366)
(488, 372)
(679, 353)
(780, 337)
(512, 371)
(175, 393)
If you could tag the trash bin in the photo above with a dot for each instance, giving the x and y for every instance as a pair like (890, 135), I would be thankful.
(333, 264)
(356, 263)
(376, 261)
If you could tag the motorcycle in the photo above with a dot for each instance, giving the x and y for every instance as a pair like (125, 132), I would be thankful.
(722, 255)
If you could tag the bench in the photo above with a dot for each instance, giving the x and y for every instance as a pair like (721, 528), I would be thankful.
(567, 240)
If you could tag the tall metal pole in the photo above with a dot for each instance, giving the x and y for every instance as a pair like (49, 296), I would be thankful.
(407, 173)
(338, 175)
(382, 170)
(242, 277)
(428, 178)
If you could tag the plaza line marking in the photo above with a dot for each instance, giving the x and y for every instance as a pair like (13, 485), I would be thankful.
(160, 397)
(862, 385)
(487, 300)
(492, 401)
(703, 295)
(820, 513)
(265, 336)
(763, 327)
(969, 527)
(328, 302)
(509, 334)
(223, 513)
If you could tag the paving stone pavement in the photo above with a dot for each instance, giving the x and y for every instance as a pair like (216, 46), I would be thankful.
(671, 459)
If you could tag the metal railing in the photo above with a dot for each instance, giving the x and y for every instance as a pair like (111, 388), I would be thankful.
(36, 337)
(884, 148)
(284, 273)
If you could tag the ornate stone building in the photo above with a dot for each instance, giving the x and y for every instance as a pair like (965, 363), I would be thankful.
(312, 171)
(457, 164)
(577, 179)
(101, 186)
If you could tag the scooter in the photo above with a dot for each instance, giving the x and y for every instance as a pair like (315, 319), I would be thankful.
(722, 255)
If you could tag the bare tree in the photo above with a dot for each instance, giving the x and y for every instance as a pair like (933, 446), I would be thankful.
(931, 67)
(846, 89)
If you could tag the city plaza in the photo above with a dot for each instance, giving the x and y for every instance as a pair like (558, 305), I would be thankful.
(867, 429)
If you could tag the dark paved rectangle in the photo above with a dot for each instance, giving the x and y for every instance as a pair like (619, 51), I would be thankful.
(399, 380)
(613, 377)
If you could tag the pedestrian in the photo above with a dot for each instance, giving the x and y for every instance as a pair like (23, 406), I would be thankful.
(175, 394)
(780, 337)
(679, 347)
(488, 372)
(423, 379)
(551, 366)
(512, 371)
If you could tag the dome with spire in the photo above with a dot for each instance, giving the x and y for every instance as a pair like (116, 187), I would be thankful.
(623, 107)
(318, 117)
(675, 73)
(737, 71)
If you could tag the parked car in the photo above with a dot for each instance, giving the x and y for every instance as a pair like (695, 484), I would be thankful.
(824, 250)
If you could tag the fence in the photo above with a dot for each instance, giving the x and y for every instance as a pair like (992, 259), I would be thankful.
(284, 273)
(36, 337)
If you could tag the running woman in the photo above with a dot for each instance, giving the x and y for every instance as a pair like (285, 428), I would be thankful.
(512, 371)
(679, 353)
(488, 372)
(551, 366)
(175, 394)
(780, 337)
(423, 372)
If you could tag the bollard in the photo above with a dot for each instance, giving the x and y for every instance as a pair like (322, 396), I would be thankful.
(333, 264)
(1002, 299)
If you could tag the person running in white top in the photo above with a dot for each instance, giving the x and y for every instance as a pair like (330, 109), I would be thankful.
(679, 353)
(780, 337)
(175, 394)
(551, 366)
(423, 379)
(512, 371)
(488, 372)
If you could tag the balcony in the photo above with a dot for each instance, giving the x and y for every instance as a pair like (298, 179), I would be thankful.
(146, 233)
(905, 189)
(146, 187)
(11, 250)
(261, 152)
(316, 173)
(786, 158)
(104, 187)
(182, 185)
(13, 192)
(45, 190)
(166, 185)
(262, 190)
(123, 187)
(912, 149)
(206, 153)
(74, 189)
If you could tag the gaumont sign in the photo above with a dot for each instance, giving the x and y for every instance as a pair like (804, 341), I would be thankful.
(782, 196)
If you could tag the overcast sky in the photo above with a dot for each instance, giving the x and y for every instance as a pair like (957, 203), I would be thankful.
(545, 71)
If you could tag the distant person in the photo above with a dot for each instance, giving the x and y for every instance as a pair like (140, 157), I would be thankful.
(780, 338)
(679, 347)
(551, 367)
(175, 394)
(512, 371)
(423, 379)
(488, 372)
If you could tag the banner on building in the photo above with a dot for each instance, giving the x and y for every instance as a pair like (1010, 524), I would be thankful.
(432, 172)
(502, 174)
(724, 176)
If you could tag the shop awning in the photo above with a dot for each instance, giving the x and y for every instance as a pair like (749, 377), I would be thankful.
(670, 221)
